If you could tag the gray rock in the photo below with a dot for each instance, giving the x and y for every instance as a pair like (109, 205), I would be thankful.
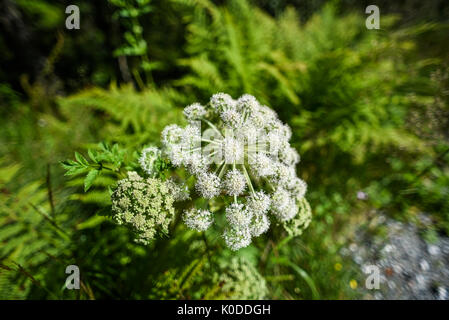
(409, 267)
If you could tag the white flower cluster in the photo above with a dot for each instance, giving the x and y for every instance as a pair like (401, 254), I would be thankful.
(198, 219)
(237, 148)
(146, 205)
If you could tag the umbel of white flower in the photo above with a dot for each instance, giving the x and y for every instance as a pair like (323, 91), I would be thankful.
(146, 205)
(238, 149)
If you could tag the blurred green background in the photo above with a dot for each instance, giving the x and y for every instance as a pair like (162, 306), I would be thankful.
(369, 111)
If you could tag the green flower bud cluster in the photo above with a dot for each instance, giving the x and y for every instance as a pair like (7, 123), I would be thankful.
(145, 205)
(301, 221)
(241, 280)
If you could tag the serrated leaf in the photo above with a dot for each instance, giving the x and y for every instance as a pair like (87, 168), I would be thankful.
(90, 179)
(68, 164)
(80, 158)
(92, 155)
(75, 170)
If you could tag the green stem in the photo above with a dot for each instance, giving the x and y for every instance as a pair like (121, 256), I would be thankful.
(219, 166)
(212, 126)
(218, 142)
(222, 171)
(248, 180)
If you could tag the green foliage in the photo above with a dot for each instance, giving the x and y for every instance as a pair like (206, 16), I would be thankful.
(131, 11)
(106, 158)
(173, 284)
(239, 279)
(331, 78)
(47, 14)
(368, 109)
(129, 117)
(30, 233)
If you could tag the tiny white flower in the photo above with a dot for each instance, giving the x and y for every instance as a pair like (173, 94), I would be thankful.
(191, 137)
(221, 101)
(298, 189)
(148, 159)
(275, 142)
(194, 111)
(196, 163)
(172, 134)
(289, 156)
(231, 117)
(175, 154)
(261, 165)
(237, 238)
(208, 185)
(284, 131)
(259, 202)
(269, 114)
(234, 183)
(258, 119)
(250, 134)
(284, 176)
(247, 104)
(179, 190)
(197, 219)
(233, 150)
(237, 215)
(283, 205)
(259, 224)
